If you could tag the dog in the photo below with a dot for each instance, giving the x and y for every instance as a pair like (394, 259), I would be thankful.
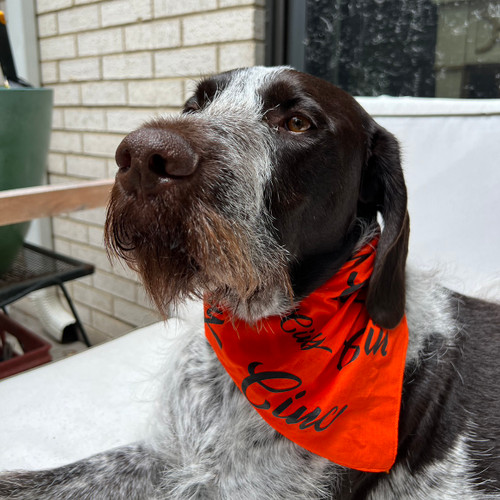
(261, 191)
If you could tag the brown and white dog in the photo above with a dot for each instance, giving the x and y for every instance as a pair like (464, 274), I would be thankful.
(253, 197)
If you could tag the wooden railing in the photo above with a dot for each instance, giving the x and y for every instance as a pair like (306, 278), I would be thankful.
(19, 205)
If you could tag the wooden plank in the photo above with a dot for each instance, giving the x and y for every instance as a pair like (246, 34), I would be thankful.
(19, 205)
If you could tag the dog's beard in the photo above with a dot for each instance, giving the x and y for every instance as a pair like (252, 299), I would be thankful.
(194, 251)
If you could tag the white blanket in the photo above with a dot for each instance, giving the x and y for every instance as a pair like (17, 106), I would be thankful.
(89, 402)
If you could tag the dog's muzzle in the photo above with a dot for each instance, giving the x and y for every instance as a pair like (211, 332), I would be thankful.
(150, 159)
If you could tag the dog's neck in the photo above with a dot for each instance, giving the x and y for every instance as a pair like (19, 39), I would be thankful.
(311, 272)
(306, 276)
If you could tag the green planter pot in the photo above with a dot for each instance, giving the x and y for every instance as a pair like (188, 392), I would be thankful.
(25, 124)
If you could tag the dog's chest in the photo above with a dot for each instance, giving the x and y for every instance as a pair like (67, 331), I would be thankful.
(218, 444)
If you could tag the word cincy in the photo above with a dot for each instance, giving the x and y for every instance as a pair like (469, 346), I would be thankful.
(316, 419)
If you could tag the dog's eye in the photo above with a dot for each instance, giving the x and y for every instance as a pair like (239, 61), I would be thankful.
(298, 124)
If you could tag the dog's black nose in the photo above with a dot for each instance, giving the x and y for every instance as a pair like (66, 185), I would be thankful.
(149, 157)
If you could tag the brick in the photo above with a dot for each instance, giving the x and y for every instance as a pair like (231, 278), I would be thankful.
(69, 142)
(93, 298)
(189, 88)
(115, 285)
(123, 66)
(121, 12)
(67, 95)
(126, 120)
(101, 144)
(100, 42)
(260, 25)
(65, 228)
(186, 62)
(62, 246)
(224, 26)
(143, 298)
(49, 5)
(104, 94)
(49, 72)
(116, 266)
(85, 166)
(109, 325)
(237, 55)
(59, 47)
(78, 19)
(57, 118)
(155, 93)
(84, 119)
(89, 254)
(79, 70)
(59, 179)
(112, 167)
(87, 280)
(22, 312)
(95, 336)
(85, 314)
(134, 314)
(234, 3)
(57, 163)
(155, 35)
(164, 8)
(47, 25)
(121, 269)
(94, 216)
(96, 236)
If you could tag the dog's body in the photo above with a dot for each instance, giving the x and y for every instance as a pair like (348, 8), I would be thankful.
(259, 192)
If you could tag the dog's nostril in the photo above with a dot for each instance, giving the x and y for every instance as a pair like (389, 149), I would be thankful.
(158, 165)
(173, 163)
(123, 159)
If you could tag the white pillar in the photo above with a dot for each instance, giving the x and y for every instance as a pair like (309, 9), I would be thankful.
(22, 29)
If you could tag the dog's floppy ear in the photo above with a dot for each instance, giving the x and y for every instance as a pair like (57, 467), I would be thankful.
(383, 189)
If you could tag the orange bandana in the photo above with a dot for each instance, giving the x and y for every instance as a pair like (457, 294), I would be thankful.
(324, 376)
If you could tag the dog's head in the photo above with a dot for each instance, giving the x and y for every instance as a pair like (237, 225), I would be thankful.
(257, 193)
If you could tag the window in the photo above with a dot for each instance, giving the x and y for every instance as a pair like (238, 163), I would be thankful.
(422, 48)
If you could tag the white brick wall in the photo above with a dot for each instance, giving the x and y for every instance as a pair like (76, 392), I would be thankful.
(181, 62)
(168, 8)
(112, 65)
(78, 19)
(104, 94)
(103, 41)
(88, 68)
(151, 36)
(60, 47)
(224, 26)
(155, 93)
(48, 5)
(127, 66)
